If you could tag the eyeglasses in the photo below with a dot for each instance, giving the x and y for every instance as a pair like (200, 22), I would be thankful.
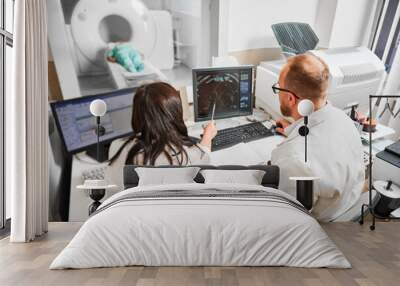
(276, 89)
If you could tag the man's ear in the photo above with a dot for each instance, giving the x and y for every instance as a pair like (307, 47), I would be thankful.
(292, 100)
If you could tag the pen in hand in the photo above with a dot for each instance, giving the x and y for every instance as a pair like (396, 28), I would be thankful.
(213, 112)
(210, 131)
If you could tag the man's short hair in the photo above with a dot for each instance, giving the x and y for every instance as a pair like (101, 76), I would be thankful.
(307, 76)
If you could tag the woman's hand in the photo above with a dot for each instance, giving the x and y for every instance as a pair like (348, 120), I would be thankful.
(209, 132)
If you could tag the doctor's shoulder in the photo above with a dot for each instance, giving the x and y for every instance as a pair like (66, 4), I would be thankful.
(340, 116)
(345, 123)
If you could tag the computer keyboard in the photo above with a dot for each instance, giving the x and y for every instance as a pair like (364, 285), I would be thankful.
(240, 134)
(94, 174)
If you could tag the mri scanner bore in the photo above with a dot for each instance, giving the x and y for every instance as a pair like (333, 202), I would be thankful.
(81, 31)
(106, 21)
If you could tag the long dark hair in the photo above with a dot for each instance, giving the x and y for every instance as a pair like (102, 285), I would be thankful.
(158, 126)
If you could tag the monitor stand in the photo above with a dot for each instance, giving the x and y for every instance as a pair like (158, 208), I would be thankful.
(103, 152)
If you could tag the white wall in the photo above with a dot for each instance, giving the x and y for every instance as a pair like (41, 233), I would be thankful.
(192, 7)
(246, 24)
(324, 20)
(192, 20)
(351, 22)
(249, 22)
(154, 4)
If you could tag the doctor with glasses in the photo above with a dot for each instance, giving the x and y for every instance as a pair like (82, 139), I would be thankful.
(335, 153)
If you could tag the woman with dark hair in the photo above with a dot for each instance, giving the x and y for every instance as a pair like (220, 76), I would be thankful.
(160, 134)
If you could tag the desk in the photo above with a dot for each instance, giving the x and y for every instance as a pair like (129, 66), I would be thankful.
(255, 152)
(251, 153)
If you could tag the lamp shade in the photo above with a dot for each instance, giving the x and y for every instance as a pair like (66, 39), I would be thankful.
(305, 107)
(98, 107)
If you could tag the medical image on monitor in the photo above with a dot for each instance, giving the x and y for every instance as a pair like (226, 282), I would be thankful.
(229, 90)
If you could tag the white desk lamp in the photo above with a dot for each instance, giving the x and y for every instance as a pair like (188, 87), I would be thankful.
(305, 108)
(97, 188)
(98, 108)
(304, 185)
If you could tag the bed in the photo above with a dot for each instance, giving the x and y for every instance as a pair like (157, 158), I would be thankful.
(201, 224)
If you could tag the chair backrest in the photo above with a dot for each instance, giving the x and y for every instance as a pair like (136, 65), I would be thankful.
(295, 38)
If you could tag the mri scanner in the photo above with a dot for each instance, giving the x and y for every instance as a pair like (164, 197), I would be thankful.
(81, 32)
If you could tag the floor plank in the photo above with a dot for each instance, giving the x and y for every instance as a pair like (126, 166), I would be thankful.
(375, 257)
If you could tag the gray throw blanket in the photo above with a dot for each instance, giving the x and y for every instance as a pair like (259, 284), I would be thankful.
(204, 194)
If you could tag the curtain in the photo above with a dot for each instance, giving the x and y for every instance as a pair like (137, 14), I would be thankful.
(27, 124)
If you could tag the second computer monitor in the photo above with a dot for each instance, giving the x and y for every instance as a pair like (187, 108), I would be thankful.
(229, 88)
(77, 126)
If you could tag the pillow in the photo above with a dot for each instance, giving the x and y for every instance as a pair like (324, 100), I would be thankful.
(166, 176)
(248, 177)
(270, 179)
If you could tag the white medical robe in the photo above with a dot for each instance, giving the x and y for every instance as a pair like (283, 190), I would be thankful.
(335, 155)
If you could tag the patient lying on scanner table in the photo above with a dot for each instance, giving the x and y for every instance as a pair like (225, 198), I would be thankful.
(125, 55)
(335, 152)
(160, 134)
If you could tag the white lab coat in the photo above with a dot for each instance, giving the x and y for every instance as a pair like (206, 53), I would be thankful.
(335, 155)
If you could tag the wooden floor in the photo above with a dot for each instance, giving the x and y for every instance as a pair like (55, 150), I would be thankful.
(375, 257)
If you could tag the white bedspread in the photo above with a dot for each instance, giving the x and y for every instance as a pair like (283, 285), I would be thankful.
(200, 231)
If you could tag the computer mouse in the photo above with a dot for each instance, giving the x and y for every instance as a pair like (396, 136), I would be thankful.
(275, 126)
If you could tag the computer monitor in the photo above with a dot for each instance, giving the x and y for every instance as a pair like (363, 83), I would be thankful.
(77, 126)
(230, 88)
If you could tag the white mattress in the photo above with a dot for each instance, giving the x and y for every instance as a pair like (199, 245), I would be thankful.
(189, 231)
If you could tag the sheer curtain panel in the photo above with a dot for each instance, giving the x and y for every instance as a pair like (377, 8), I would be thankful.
(27, 123)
